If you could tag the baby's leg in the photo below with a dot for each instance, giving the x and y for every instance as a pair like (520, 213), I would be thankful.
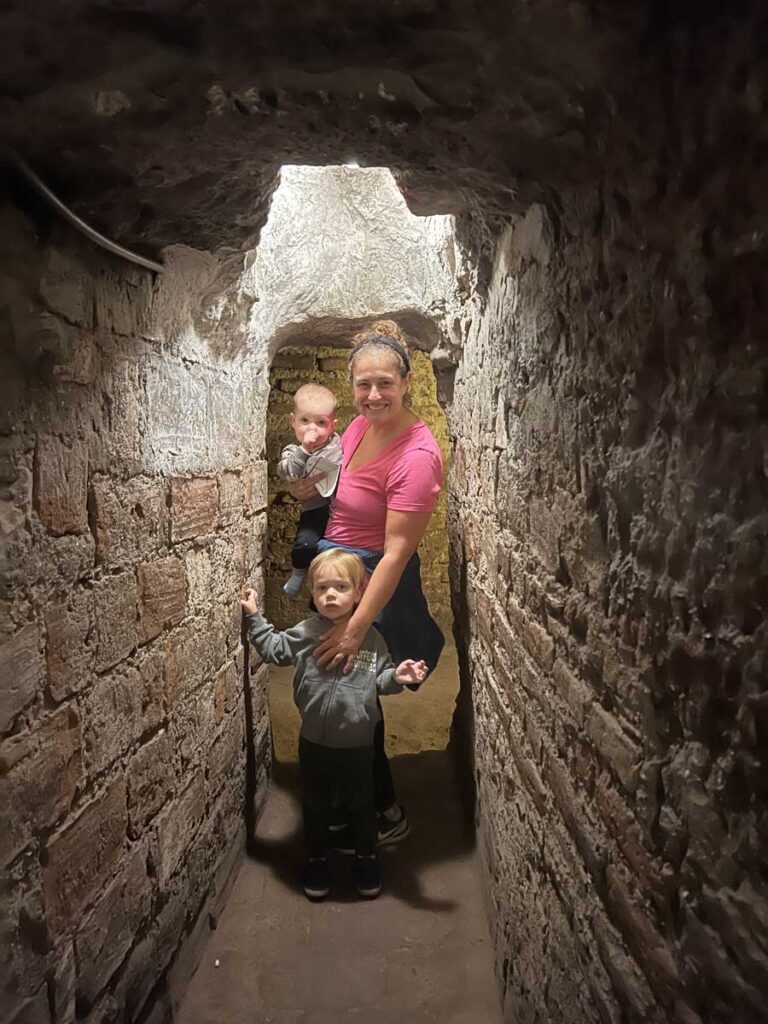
(312, 524)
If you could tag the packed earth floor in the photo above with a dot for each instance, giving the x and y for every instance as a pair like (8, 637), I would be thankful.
(562, 206)
(420, 953)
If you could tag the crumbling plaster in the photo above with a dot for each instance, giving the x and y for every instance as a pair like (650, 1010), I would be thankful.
(609, 489)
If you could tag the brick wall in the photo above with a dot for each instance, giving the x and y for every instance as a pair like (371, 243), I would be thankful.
(131, 517)
(608, 526)
(291, 368)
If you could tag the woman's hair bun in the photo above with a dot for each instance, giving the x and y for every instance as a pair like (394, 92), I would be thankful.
(386, 327)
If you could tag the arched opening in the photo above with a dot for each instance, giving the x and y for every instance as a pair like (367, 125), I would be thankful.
(374, 253)
(421, 721)
(339, 249)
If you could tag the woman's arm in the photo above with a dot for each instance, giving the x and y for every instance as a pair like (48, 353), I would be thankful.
(403, 533)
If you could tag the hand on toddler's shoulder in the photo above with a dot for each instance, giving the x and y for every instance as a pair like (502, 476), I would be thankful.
(411, 672)
(248, 601)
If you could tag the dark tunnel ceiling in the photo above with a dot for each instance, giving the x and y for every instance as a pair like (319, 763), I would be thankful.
(165, 121)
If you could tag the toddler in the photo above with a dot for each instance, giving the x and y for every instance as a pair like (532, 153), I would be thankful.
(318, 453)
(339, 713)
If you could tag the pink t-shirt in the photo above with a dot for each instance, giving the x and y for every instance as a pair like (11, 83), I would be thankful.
(406, 477)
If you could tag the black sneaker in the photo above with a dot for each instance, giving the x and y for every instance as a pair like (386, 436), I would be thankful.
(316, 879)
(391, 832)
(368, 876)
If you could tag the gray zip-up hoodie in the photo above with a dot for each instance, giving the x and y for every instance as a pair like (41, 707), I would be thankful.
(337, 710)
(294, 463)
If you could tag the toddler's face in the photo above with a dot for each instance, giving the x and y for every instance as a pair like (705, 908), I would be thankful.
(313, 423)
(333, 593)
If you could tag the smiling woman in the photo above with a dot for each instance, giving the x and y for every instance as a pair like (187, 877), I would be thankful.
(391, 475)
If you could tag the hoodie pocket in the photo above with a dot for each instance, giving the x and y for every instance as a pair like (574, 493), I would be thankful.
(355, 708)
(304, 695)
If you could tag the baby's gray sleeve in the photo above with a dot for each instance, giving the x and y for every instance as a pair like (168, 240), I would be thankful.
(334, 453)
(292, 462)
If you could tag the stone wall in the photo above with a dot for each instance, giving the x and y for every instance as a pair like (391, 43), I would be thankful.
(610, 563)
(291, 368)
(609, 481)
(134, 741)
(133, 501)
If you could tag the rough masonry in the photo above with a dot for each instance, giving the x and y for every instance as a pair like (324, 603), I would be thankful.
(134, 506)
(600, 355)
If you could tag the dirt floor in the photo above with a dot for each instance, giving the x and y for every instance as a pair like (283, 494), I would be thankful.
(419, 954)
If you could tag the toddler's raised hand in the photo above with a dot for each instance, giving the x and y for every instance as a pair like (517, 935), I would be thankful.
(248, 601)
(411, 672)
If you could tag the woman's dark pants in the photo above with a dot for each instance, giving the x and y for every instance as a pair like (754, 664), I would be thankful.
(311, 529)
(334, 776)
(410, 632)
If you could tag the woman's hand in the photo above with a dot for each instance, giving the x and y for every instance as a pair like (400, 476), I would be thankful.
(248, 601)
(338, 647)
(303, 489)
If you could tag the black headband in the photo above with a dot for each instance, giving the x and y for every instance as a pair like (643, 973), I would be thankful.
(383, 339)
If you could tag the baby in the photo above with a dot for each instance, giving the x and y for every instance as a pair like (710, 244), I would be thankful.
(339, 715)
(318, 454)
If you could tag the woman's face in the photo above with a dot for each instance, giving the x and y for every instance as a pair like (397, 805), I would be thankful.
(378, 388)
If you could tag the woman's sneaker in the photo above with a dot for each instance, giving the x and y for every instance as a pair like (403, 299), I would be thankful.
(316, 879)
(368, 876)
(391, 832)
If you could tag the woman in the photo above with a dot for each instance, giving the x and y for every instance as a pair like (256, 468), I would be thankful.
(392, 471)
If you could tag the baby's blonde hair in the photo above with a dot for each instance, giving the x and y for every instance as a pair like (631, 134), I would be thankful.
(317, 392)
(347, 563)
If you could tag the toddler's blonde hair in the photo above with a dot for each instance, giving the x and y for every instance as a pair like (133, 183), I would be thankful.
(347, 564)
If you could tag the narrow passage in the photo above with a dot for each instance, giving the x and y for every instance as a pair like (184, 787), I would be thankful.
(418, 954)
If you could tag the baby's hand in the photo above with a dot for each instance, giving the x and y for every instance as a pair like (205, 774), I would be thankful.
(248, 601)
(409, 672)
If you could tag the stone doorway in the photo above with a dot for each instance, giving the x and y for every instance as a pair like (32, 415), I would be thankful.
(419, 721)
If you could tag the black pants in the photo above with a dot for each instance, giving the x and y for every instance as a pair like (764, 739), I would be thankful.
(311, 529)
(333, 776)
(410, 632)
(383, 786)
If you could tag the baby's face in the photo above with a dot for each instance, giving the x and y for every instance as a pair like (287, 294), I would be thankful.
(313, 422)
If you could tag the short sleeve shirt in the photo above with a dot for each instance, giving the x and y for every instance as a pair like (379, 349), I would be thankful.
(405, 477)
